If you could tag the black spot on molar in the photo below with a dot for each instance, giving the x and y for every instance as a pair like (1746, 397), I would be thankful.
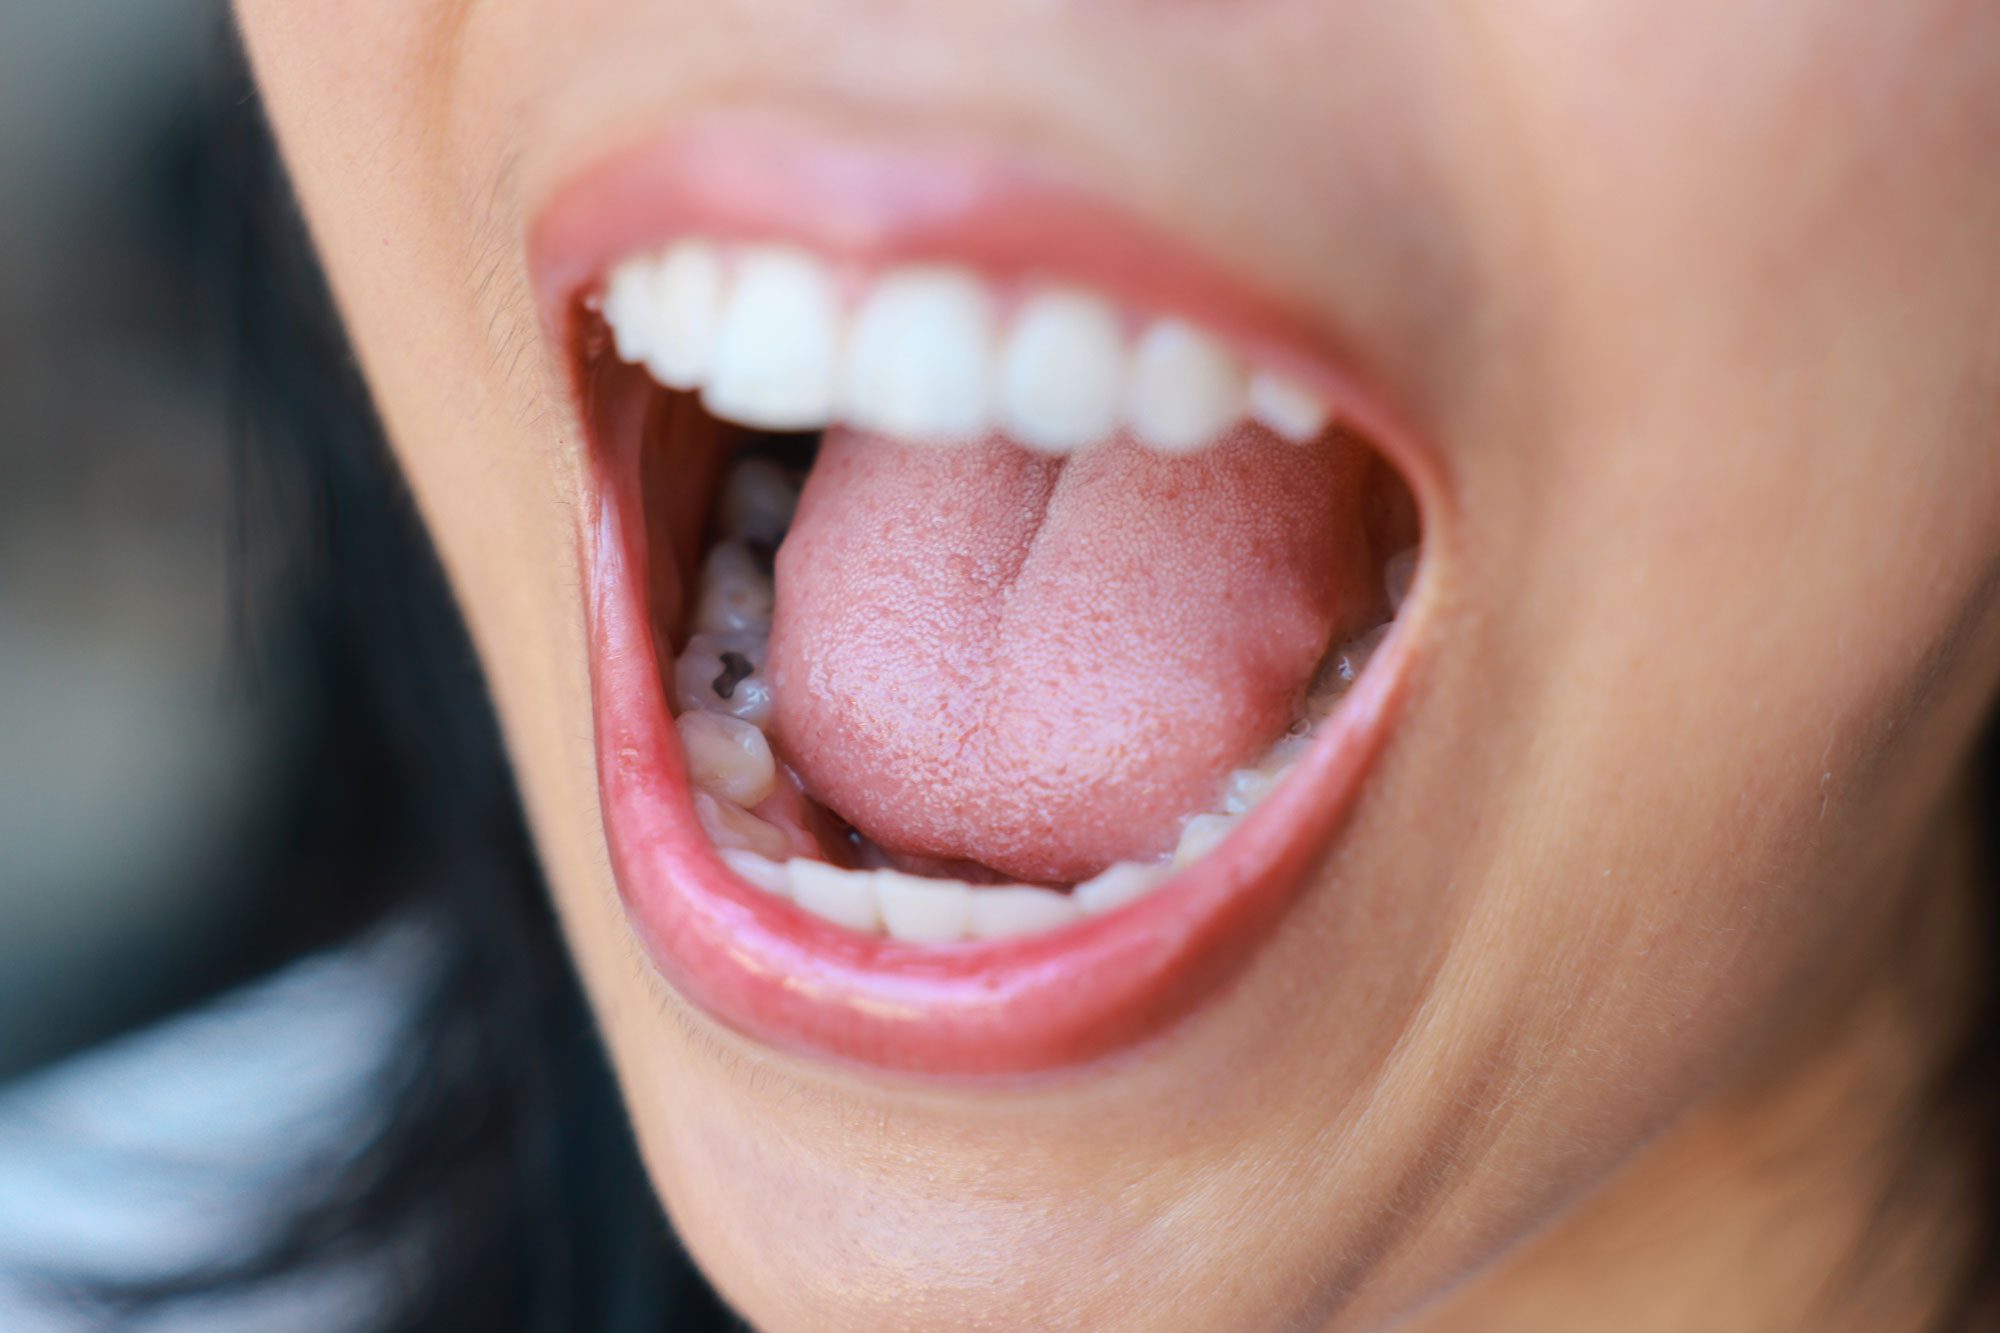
(736, 669)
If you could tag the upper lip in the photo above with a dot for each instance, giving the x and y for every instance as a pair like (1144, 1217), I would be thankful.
(1004, 1007)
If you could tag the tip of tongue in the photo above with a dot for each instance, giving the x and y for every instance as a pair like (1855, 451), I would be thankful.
(1043, 665)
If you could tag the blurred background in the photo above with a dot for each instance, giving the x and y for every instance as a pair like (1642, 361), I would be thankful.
(176, 1050)
(134, 742)
(288, 1039)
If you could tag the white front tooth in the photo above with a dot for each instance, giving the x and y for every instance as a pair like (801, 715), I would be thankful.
(724, 673)
(758, 499)
(1287, 407)
(920, 366)
(631, 308)
(844, 897)
(735, 595)
(729, 826)
(687, 296)
(763, 872)
(1019, 909)
(1126, 882)
(930, 911)
(1398, 573)
(727, 757)
(1186, 388)
(778, 343)
(1200, 835)
(1061, 371)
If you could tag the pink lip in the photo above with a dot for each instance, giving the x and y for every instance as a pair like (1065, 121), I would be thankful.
(756, 962)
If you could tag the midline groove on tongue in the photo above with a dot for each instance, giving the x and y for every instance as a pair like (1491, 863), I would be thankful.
(777, 848)
(775, 338)
(1041, 665)
(1056, 651)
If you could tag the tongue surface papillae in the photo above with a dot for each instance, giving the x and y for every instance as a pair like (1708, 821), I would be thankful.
(1042, 664)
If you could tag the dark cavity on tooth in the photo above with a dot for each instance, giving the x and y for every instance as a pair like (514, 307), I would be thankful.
(736, 669)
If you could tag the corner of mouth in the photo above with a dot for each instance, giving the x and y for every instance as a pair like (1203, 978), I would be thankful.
(800, 854)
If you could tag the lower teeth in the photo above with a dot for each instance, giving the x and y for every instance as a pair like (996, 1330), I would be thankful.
(724, 703)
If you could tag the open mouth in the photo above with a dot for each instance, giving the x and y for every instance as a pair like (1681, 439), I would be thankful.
(989, 635)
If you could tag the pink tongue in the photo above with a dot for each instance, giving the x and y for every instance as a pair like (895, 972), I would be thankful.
(1040, 664)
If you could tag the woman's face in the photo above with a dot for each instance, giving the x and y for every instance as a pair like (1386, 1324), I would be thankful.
(1679, 324)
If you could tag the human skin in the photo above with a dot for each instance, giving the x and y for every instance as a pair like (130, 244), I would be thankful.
(1698, 308)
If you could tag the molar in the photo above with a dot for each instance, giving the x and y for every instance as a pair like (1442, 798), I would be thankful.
(757, 501)
(1247, 788)
(736, 594)
(724, 673)
(1199, 837)
(1126, 882)
(727, 757)
(730, 827)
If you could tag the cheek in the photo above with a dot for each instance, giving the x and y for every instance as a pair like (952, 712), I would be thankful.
(435, 302)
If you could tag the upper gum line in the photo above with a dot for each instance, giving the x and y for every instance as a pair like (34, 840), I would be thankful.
(775, 337)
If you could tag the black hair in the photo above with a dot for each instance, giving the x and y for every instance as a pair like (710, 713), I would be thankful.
(500, 1175)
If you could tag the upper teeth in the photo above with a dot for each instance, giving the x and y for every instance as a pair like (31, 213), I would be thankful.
(928, 353)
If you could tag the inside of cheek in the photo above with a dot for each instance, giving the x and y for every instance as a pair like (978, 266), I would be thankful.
(697, 477)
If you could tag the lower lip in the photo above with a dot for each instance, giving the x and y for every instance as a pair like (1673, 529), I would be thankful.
(1001, 1008)
(755, 961)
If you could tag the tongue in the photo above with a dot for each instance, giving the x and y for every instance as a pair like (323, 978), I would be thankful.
(1042, 665)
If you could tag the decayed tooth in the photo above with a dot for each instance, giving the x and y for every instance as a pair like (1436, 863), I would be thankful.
(1186, 388)
(1200, 835)
(1019, 909)
(920, 364)
(1126, 882)
(761, 871)
(727, 757)
(736, 593)
(758, 498)
(630, 309)
(730, 827)
(1061, 372)
(778, 344)
(1398, 573)
(844, 897)
(1287, 407)
(923, 910)
(687, 302)
(723, 673)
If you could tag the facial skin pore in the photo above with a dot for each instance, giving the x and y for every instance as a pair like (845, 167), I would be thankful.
(1603, 1000)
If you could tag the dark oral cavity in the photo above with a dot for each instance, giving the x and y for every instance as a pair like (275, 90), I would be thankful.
(1043, 665)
